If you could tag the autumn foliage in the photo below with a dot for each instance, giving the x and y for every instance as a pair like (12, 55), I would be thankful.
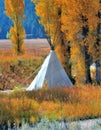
(72, 104)
(14, 10)
(74, 28)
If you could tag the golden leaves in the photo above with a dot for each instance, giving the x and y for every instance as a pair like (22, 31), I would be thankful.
(77, 20)
(14, 8)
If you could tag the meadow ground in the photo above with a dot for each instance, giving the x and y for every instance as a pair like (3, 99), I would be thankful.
(32, 47)
(14, 70)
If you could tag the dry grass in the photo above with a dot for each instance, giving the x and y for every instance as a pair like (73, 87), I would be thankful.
(81, 103)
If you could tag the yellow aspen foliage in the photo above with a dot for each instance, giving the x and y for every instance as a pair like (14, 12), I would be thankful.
(72, 26)
(14, 9)
(16, 39)
(90, 10)
(75, 21)
(50, 17)
(78, 64)
(79, 23)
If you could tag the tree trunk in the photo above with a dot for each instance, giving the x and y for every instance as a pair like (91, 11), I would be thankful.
(87, 65)
(97, 71)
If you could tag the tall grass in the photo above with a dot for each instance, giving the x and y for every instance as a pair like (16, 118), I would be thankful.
(58, 103)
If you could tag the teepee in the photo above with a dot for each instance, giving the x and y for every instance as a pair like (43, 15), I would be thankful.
(52, 73)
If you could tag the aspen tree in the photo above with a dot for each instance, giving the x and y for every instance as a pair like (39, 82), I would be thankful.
(14, 10)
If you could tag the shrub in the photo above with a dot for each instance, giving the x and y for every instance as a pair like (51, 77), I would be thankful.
(56, 103)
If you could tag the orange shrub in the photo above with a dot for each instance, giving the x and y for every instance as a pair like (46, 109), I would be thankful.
(80, 103)
(50, 110)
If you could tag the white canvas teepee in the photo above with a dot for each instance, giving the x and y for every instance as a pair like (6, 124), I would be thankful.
(52, 73)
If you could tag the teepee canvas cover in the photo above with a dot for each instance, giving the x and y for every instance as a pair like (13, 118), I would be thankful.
(52, 73)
